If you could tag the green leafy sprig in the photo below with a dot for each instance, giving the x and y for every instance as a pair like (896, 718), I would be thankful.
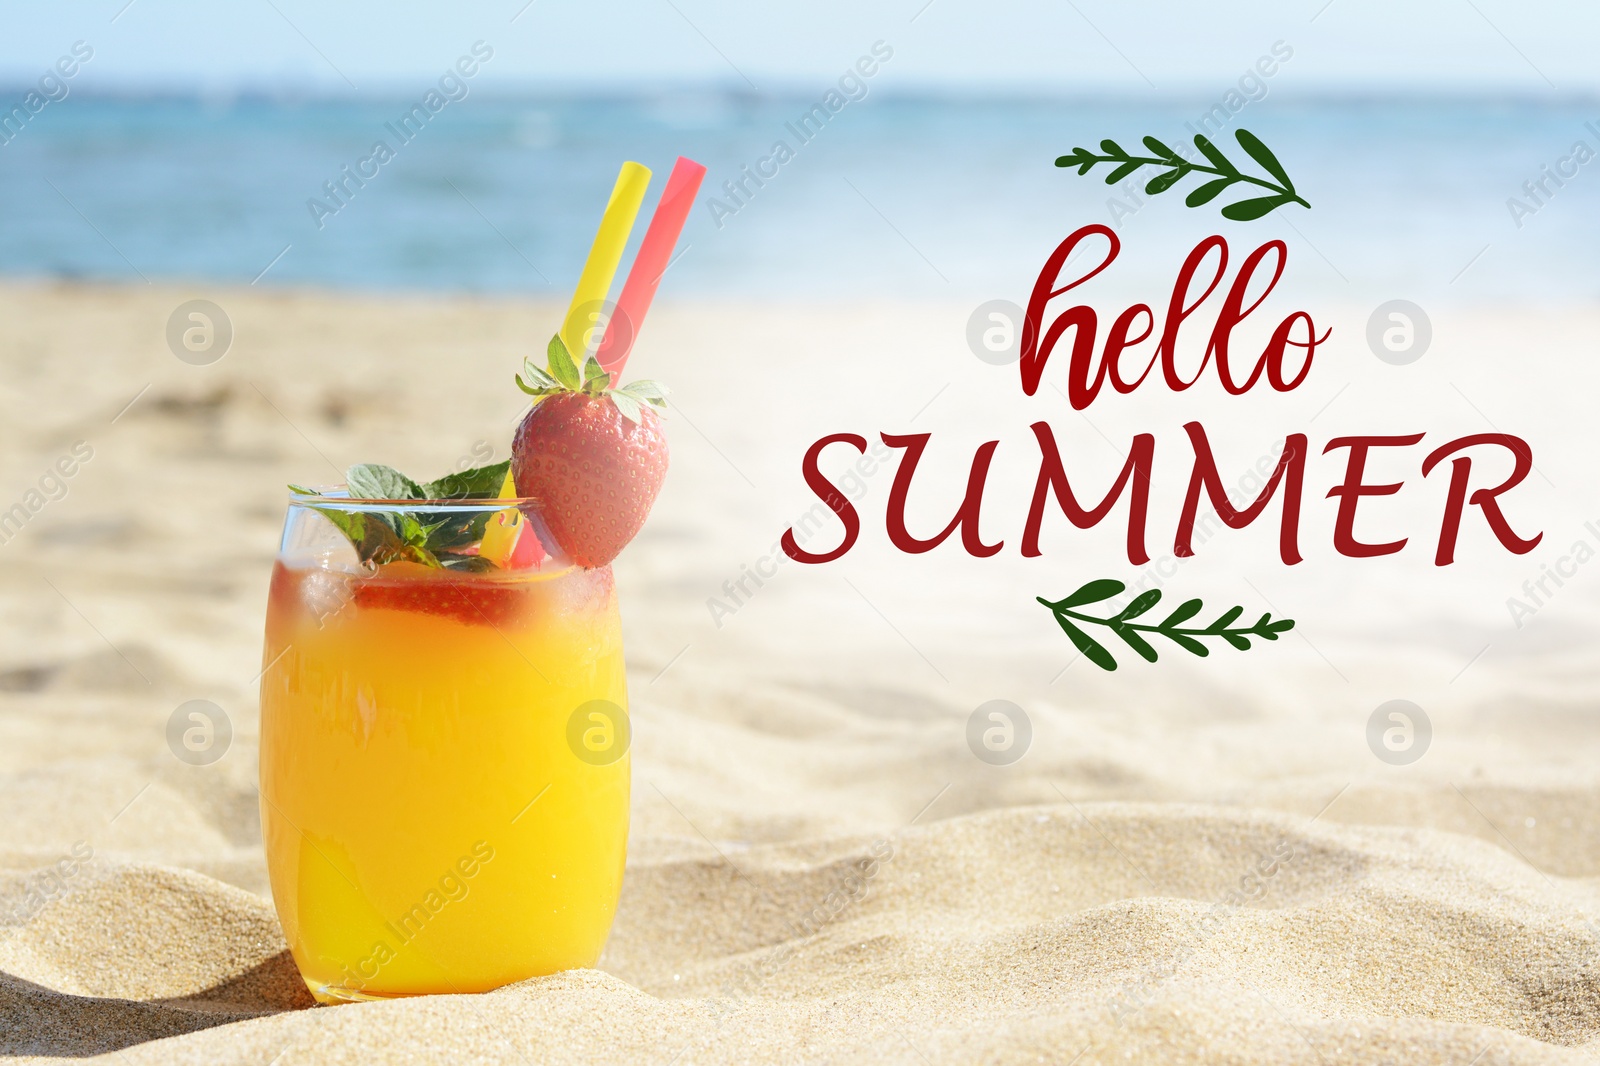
(561, 374)
(1122, 623)
(1178, 168)
(433, 540)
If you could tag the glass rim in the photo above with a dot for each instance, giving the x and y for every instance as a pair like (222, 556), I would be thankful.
(338, 497)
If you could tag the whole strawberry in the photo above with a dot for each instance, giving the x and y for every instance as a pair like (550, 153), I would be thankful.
(592, 455)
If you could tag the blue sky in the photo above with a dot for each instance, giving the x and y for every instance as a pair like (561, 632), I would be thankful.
(1150, 48)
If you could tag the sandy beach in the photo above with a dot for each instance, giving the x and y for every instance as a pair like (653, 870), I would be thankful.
(1199, 860)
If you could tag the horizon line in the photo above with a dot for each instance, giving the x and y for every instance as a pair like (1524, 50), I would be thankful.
(531, 91)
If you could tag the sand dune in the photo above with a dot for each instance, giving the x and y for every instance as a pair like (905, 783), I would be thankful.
(1198, 861)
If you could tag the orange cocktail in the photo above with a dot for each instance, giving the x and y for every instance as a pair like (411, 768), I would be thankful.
(444, 768)
(444, 731)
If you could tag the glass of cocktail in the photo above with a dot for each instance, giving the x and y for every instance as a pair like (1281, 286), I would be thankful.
(444, 725)
(444, 766)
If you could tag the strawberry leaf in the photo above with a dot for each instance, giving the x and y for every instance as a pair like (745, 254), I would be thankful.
(537, 373)
(539, 383)
(595, 380)
(650, 392)
(626, 405)
(562, 368)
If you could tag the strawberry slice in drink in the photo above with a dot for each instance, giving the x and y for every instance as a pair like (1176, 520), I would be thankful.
(471, 599)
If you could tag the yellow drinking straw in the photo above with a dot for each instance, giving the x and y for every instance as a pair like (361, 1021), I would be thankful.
(500, 535)
(594, 284)
(583, 321)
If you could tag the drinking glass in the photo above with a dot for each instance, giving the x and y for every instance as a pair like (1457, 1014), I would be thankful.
(444, 758)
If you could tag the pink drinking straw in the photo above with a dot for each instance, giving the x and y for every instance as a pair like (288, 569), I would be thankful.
(655, 253)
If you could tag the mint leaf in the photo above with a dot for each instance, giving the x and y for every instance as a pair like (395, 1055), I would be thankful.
(374, 481)
(373, 538)
(479, 483)
(301, 490)
(442, 541)
(454, 533)
(416, 553)
(472, 564)
(408, 529)
(349, 523)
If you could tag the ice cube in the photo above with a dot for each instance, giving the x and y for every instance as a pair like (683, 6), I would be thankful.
(325, 593)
